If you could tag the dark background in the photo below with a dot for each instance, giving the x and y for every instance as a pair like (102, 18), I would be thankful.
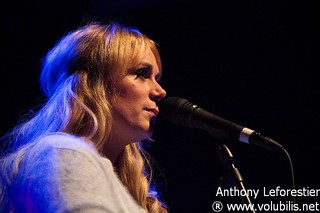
(251, 62)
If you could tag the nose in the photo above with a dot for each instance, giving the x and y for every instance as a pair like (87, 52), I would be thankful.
(158, 93)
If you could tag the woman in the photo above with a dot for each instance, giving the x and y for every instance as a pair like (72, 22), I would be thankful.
(82, 151)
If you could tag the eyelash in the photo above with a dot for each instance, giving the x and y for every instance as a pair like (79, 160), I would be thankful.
(142, 73)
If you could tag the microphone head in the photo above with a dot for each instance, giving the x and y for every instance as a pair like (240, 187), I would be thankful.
(176, 110)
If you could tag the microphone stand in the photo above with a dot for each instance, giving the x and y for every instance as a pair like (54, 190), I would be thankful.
(233, 175)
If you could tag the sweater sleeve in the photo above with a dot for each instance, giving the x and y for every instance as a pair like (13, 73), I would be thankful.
(73, 178)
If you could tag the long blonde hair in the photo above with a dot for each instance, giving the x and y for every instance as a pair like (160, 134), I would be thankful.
(78, 78)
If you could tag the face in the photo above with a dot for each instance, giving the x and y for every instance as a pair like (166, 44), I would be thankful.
(134, 108)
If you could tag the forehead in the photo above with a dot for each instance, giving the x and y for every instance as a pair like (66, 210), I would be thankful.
(148, 56)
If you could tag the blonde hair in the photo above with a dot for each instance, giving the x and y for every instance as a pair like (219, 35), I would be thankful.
(78, 77)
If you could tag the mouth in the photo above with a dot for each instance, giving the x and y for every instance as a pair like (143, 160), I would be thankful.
(154, 112)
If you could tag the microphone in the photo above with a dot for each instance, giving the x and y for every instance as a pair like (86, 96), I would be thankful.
(181, 112)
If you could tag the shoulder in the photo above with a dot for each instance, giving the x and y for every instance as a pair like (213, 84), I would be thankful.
(65, 150)
(65, 142)
(64, 157)
(61, 172)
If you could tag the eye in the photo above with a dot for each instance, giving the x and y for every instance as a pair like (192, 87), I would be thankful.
(143, 72)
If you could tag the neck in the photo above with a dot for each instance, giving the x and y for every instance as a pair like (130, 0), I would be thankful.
(112, 152)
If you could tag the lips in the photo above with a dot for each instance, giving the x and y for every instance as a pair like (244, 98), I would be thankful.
(155, 112)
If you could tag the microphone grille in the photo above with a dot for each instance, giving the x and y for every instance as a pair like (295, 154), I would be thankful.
(176, 110)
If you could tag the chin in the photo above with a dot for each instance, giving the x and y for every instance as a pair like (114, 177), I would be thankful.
(145, 132)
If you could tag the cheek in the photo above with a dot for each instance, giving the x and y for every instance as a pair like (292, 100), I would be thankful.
(127, 100)
(131, 92)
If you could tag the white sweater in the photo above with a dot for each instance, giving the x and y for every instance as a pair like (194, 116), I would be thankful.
(62, 173)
